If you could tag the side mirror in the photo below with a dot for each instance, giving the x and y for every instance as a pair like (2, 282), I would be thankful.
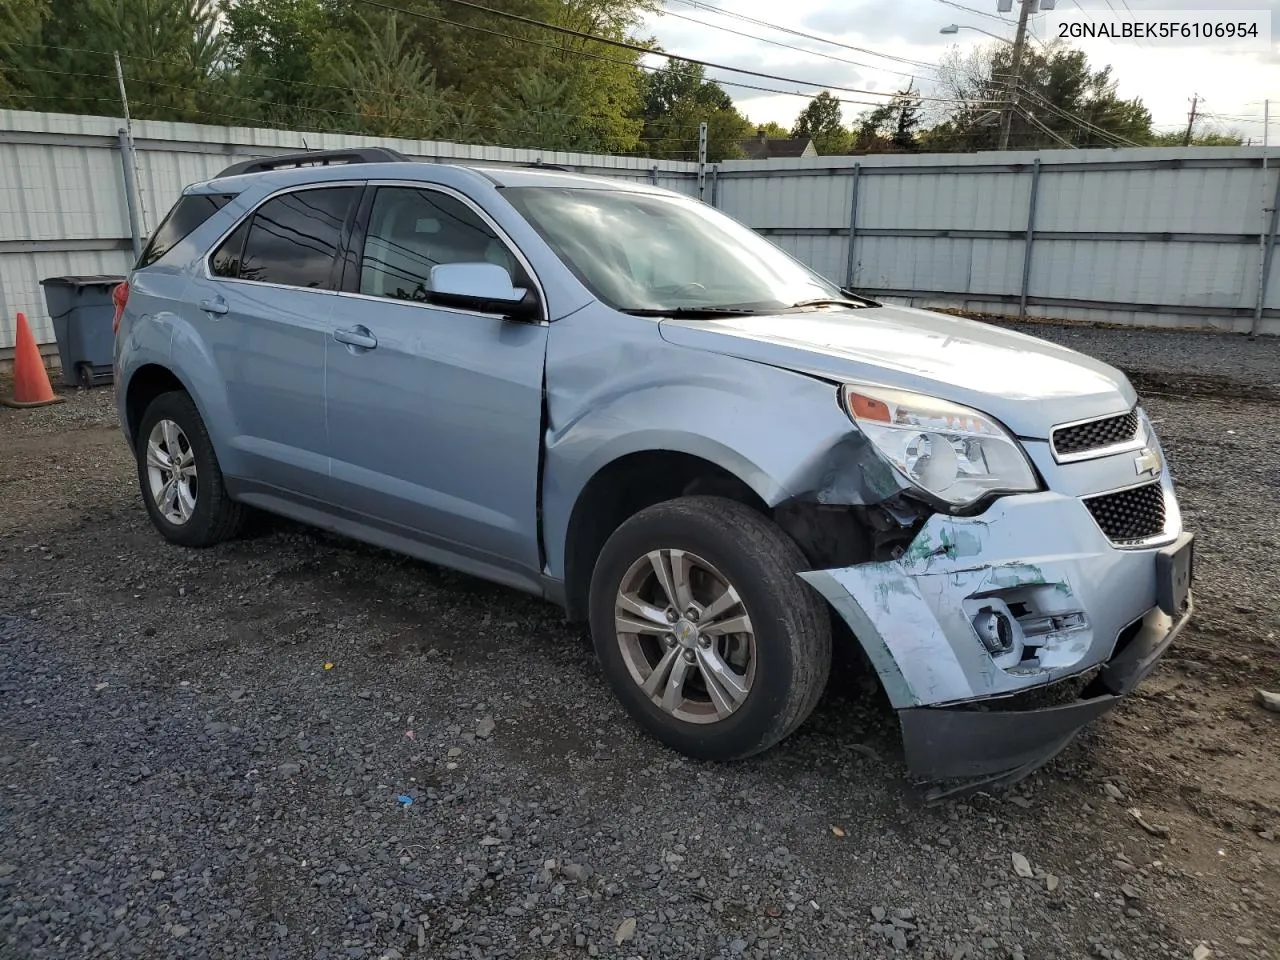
(486, 287)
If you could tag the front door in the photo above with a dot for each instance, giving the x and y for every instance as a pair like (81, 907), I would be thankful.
(434, 413)
(267, 310)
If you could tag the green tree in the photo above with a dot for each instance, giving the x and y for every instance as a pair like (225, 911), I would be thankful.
(907, 119)
(822, 123)
(872, 134)
(284, 57)
(535, 114)
(392, 89)
(20, 22)
(1060, 101)
(773, 130)
(172, 53)
(484, 58)
(438, 69)
(1209, 138)
(676, 100)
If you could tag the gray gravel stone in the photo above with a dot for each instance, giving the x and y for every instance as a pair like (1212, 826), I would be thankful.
(188, 764)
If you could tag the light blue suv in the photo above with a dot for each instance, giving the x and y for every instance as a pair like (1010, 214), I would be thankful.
(622, 400)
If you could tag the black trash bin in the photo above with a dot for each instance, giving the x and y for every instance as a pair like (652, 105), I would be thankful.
(82, 311)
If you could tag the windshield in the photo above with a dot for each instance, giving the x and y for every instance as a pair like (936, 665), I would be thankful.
(649, 252)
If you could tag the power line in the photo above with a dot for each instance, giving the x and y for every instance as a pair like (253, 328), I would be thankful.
(646, 51)
(1028, 115)
(779, 43)
(619, 44)
(1075, 118)
(980, 13)
(800, 33)
(485, 30)
(303, 83)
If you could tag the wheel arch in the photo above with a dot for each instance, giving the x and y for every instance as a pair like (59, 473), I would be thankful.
(145, 384)
(628, 484)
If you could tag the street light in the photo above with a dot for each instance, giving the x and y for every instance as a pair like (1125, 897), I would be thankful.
(954, 28)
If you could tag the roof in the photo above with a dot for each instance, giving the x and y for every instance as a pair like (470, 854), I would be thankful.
(378, 168)
(763, 148)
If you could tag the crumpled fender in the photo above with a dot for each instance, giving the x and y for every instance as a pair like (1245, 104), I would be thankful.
(614, 387)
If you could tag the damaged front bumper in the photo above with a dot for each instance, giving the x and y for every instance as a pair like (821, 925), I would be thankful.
(1074, 608)
(998, 746)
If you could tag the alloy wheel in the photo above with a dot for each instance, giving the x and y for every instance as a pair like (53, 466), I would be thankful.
(171, 472)
(685, 636)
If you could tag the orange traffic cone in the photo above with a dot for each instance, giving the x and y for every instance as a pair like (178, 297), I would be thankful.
(31, 387)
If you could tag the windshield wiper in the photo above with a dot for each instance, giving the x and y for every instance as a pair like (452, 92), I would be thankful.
(692, 313)
(827, 302)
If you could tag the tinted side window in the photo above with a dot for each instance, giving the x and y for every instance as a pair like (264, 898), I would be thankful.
(226, 259)
(293, 239)
(411, 230)
(183, 217)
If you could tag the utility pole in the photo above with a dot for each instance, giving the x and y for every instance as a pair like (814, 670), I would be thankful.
(1019, 41)
(1265, 241)
(133, 181)
(1191, 121)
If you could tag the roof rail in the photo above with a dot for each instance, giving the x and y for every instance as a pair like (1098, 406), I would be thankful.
(315, 158)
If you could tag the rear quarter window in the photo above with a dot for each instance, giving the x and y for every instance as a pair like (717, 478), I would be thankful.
(184, 217)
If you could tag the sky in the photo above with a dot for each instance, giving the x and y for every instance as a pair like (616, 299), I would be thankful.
(1231, 85)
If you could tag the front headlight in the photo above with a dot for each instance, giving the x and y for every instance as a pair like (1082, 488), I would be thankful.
(952, 452)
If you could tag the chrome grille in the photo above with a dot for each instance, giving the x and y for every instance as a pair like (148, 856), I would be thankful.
(1130, 515)
(1095, 435)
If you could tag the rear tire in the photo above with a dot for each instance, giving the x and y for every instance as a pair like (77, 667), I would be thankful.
(737, 676)
(179, 476)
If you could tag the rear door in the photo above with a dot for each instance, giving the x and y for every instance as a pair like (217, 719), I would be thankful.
(265, 301)
(435, 413)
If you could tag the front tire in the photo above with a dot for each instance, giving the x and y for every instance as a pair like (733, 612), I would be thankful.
(704, 631)
(179, 476)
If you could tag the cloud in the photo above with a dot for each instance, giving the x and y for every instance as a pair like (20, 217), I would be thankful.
(1232, 83)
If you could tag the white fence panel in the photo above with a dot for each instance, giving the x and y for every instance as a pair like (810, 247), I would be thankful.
(1153, 236)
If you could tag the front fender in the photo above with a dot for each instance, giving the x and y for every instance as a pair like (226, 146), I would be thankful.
(615, 387)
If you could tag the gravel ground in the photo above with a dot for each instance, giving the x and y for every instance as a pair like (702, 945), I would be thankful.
(298, 746)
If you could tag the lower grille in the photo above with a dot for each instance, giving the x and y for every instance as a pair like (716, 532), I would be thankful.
(1130, 515)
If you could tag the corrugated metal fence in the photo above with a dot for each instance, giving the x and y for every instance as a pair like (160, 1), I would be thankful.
(1162, 237)
(63, 204)
(1170, 237)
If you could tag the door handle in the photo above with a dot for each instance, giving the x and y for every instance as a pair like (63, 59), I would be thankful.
(218, 306)
(356, 337)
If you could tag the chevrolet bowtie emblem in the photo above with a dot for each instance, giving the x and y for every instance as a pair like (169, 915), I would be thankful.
(1148, 461)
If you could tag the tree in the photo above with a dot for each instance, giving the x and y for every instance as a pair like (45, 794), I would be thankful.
(773, 130)
(822, 123)
(285, 56)
(1060, 101)
(434, 70)
(1208, 139)
(392, 90)
(484, 59)
(906, 106)
(535, 115)
(172, 53)
(20, 22)
(676, 99)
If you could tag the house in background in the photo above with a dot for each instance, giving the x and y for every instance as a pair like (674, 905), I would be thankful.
(761, 147)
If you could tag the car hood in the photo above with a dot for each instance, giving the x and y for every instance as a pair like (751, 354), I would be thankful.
(1027, 383)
